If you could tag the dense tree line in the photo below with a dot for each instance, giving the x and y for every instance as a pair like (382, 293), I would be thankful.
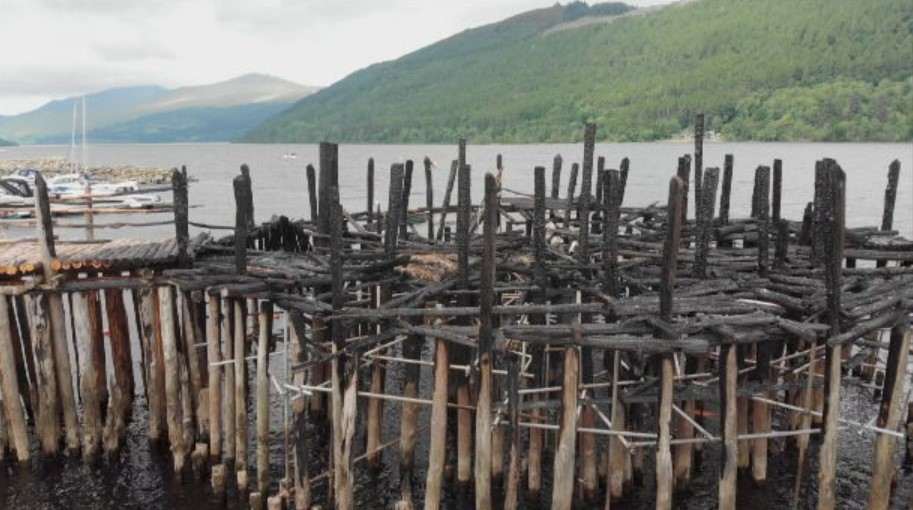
(771, 70)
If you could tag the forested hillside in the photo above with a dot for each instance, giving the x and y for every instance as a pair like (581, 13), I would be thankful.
(770, 70)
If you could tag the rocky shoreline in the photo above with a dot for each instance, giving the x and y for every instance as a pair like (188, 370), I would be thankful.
(55, 166)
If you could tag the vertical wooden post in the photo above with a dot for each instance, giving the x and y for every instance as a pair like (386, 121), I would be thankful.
(698, 157)
(240, 368)
(193, 334)
(243, 215)
(726, 190)
(226, 331)
(760, 413)
(23, 348)
(119, 334)
(214, 353)
(890, 197)
(454, 166)
(412, 350)
(705, 221)
(890, 416)
(344, 379)
(172, 376)
(181, 214)
(461, 354)
(556, 176)
(729, 423)
(155, 371)
(99, 365)
(624, 168)
(587, 446)
(611, 208)
(571, 185)
(666, 375)
(438, 442)
(57, 319)
(565, 456)
(9, 385)
(429, 196)
(370, 185)
(88, 388)
(586, 189)
(684, 173)
(537, 367)
(48, 422)
(512, 489)
(762, 188)
(312, 190)
(248, 198)
(833, 239)
(404, 202)
(777, 191)
(266, 329)
(89, 215)
(486, 342)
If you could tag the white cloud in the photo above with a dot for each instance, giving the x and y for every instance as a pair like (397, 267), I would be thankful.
(55, 48)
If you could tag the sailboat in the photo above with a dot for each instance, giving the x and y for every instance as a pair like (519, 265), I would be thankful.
(81, 183)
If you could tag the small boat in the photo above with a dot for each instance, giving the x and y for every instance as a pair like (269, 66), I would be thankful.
(289, 155)
(75, 184)
(139, 201)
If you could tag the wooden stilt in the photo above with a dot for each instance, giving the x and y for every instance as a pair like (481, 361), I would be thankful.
(87, 385)
(240, 396)
(729, 426)
(438, 441)
(512, 488)
(192, 335)
(412, 350)
(228, 353)
(266, 314)
(48, 422)
(154, 372)
(122, 357)
(56, 317)
(297, 351)
(565, 456)
(24, 345)
(890, 417)
(833, 217)
(537, 367)
(215, 378)
(664, 473)
(9, 386)
(618, 455)
(486, 342)
(99, 369)
(174, 408)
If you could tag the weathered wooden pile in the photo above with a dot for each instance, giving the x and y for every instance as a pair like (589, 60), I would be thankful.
(509, 312)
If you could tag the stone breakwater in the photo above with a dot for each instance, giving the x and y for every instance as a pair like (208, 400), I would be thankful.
(55, 166)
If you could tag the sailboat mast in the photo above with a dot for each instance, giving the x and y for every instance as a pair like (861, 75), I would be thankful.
(85, 148)
(72, 155)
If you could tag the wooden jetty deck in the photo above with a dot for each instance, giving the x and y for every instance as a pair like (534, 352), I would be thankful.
(508, 311)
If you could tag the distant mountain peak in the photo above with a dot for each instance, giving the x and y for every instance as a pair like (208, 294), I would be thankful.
(213, 112)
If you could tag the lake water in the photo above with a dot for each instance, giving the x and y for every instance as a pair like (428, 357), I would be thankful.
(140, 477)
(280, 185)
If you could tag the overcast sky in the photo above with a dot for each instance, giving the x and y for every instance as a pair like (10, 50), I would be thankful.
(51, 49)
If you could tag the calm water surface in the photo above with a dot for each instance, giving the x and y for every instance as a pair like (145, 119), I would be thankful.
(140, 477)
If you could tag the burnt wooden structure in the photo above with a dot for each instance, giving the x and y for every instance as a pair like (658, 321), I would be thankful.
(593, 337)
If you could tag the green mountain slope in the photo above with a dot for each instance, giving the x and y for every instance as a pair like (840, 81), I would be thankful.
(639, 76)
